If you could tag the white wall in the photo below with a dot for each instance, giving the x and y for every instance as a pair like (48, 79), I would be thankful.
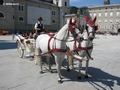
(33, 13)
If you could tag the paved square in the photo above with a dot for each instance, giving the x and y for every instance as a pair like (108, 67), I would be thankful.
(22, 74)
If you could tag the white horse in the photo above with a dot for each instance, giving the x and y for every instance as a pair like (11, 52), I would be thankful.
(84, 48)
(55, 45)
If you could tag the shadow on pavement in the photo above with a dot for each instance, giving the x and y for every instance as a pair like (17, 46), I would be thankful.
(7, 45)
(97, 76)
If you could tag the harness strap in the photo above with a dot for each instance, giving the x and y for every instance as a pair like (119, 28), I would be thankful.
(70, 53)
(49, 42)
(52, 50)
(85, 48)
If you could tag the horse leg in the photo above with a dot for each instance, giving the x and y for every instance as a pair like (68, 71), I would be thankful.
(79, 73)
(48, 61)
(68, 69)
(58, 62)
(71, 62)
(86, 71)
(38, 59)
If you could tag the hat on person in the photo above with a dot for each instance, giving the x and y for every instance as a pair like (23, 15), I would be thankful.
(40, 18)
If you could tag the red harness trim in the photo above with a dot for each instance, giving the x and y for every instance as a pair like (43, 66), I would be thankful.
(50, 34)
(84, 48)
(54, 49)
(76, 48)
(58, 50)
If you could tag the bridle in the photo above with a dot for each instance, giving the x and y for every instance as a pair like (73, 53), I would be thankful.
(72, 29)
(92, 31)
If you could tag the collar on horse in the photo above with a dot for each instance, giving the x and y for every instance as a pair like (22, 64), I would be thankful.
(54, 49)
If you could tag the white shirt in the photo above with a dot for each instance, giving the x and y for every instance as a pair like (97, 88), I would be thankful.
(36, 25)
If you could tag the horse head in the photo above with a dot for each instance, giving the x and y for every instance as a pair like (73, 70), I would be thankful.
(74, 30)
(91, 27)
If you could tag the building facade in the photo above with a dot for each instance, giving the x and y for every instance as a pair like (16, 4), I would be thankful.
(21, 15)
(108, 16)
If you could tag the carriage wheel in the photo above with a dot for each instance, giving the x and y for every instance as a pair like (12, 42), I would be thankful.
(20, 51)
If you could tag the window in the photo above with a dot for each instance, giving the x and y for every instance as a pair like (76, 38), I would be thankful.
(99, 14)
(1, 15)
(118, 13)
(117, 20)
(99, 27)
(94, 14)
(21, 19)
(20, 8)
(111, 21)
(13, 17)
(99, 21)
(65, 3)
(57, 3)
(105, 21)
(110, 27)
(53, 12)
(65, 13)
(105, 27)
(1, 2)
(106, 14)
(53, 21)
(111, 13)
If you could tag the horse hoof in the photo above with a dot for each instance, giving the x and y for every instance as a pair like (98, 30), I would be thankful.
(60, 81)
(68, 70)
(86, 76)
(41, 72)
(79, 77)
(72, 68)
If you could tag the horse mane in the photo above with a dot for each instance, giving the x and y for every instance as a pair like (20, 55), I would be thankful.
(61, 32)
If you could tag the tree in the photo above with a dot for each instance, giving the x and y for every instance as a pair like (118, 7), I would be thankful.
(73, 10)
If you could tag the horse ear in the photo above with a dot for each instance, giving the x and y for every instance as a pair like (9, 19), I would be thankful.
(94, 19)
(70, 21)
(74, 22)
(96, 27)
(86, 18)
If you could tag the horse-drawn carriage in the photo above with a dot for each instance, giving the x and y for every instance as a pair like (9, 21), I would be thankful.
(56, 45)
(24, 44)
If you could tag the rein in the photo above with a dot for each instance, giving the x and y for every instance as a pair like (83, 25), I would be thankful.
(77, 48)
(53, 34)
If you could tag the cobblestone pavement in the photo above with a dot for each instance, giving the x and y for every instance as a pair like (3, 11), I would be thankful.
(22, 74)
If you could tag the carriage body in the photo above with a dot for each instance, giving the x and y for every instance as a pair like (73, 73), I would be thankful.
(27, 45)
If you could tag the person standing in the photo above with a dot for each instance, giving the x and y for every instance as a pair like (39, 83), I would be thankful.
(13, 36)
(39, 26)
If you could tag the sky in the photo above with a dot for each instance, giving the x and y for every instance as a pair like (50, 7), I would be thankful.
(81, 3)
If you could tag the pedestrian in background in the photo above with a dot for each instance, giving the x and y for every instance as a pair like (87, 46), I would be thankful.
(13, 36)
